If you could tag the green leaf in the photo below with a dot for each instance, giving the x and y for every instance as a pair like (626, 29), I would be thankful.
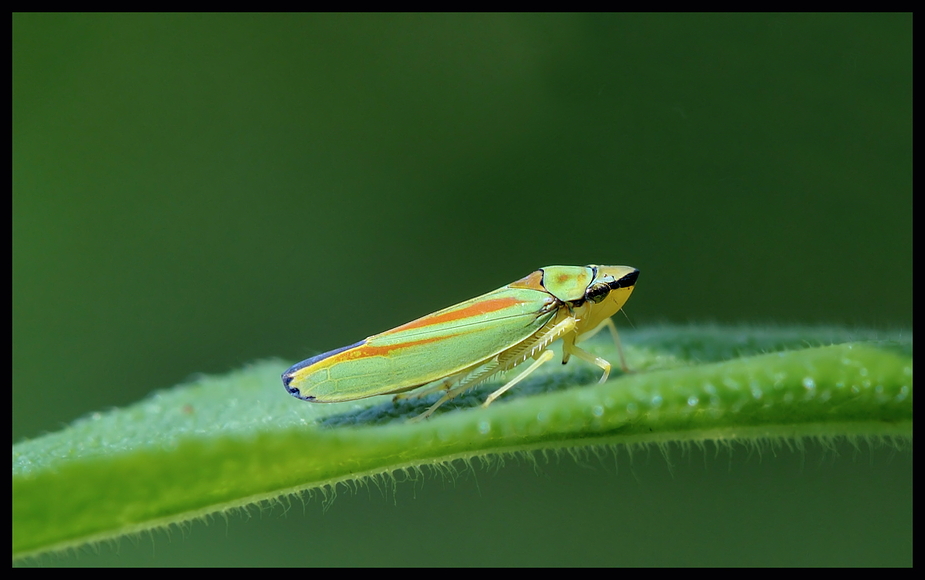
(228, 441)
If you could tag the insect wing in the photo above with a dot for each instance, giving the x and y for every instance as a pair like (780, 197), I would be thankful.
(424, 350)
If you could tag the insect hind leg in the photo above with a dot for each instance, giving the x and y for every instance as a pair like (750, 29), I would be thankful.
(428, 388)
(534, 348)
(464, 381)
(547, 354)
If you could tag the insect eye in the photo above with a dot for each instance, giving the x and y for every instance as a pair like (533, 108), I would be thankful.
(597, 292)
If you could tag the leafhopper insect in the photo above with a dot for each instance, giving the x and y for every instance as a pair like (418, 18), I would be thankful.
(459, 347)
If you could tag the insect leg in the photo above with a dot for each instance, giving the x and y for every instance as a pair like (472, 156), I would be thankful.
(467, 380)
(547, 354)
(535, 348)
(432, 387)
(569, 348)
(616, 339)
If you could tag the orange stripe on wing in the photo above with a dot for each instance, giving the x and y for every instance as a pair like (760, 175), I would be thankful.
(477, 309)
(368, 350)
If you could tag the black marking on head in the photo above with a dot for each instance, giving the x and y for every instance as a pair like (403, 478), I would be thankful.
(597, 292)
(626, 281)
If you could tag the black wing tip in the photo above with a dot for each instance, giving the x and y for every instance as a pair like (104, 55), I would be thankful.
(289, 375)
(294, 391)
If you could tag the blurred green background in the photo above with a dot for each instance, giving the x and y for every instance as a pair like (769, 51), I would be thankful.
(194, 192)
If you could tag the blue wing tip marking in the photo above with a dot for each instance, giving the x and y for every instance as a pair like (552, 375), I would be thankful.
(289, 375)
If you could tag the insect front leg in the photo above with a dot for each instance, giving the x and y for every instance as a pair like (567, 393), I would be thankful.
(569, 348)
(616, 339)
